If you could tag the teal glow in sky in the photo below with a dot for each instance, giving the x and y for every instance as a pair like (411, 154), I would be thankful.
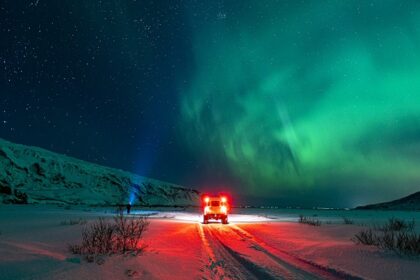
(290, 102)
(316, 102)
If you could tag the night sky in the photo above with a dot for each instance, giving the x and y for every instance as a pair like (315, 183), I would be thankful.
(310, 103)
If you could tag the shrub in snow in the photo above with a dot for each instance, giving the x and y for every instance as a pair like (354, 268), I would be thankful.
(394, 224)
(120, 235)
(396, 235)
(309, 221)
(366, 237)
(348, 221)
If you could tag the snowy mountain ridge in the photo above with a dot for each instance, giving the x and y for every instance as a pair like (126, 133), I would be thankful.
(408, 203)
(34, 175)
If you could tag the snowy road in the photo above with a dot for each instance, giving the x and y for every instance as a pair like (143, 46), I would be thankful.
(236, 254)
(34, 245)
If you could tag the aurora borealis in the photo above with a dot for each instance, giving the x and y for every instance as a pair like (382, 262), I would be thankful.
(311, 98)
(309, 103)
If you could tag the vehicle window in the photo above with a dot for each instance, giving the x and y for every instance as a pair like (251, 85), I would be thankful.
(215, 203)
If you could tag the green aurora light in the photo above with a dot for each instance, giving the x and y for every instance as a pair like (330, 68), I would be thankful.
(310, 98)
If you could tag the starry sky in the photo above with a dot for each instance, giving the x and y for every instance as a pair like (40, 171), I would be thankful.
(301, 103)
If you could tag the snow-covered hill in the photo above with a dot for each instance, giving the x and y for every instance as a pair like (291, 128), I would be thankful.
(411, 202)
(34, 175)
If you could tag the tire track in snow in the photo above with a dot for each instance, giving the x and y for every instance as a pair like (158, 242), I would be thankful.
(295, 264)
(253, 253)
(208, 253)
(225, 263)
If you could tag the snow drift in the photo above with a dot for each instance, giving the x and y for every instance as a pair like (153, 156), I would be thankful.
(34, 175)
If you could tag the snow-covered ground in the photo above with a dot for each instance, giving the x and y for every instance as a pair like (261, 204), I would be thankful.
(257, 244)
